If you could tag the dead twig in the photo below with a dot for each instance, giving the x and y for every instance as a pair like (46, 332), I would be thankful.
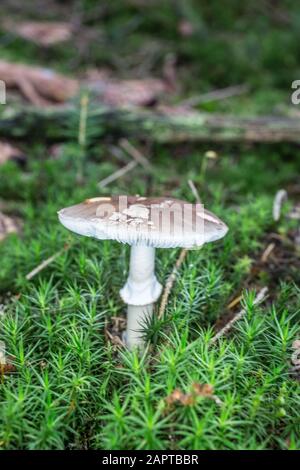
(135, 154)
(194, 191)
(216, 95)
(261, 296)
(46, 263)
(138, 158)
(113, 332)
(280, 197)
(170, 282)
(265, 256)
(117, 174)
(234, 302)
(114, 339)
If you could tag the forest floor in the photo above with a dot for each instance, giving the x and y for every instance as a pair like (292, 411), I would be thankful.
(66, 381)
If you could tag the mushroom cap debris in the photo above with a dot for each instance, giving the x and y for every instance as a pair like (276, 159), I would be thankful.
(161, 222)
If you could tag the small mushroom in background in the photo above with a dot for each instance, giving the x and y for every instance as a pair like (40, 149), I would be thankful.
(145, 224)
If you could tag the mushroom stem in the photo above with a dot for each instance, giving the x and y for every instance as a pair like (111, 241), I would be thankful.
(136, 316)
(140, 292)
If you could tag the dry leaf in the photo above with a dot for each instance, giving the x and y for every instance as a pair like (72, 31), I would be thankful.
(203, 390)
(295, 359)
(8, 225)
(189, 399)
(9, 152)
(6, 366)
(43, 87)
(114, 330)
(296, 354)
(175, 396)
(40, 86)
(43, 33)
(296, 344)
(113, 92)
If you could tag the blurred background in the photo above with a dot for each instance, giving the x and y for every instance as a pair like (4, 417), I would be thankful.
(197, 45)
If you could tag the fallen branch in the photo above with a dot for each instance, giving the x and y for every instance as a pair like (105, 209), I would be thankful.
(261, 296)
(167, 126)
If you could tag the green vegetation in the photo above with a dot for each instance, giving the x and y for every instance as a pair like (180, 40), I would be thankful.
(71, 387)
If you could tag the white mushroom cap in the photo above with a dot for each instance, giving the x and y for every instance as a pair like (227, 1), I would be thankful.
(157, 222)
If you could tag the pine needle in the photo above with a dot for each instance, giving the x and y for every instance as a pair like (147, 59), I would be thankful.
(46, 263)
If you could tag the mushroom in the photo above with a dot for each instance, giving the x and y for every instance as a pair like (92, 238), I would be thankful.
(145, 224)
